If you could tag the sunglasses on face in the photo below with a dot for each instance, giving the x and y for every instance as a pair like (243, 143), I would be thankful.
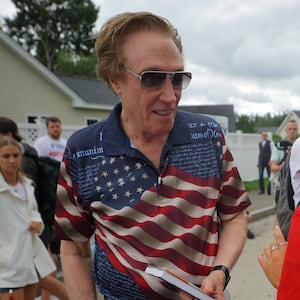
(155, 79)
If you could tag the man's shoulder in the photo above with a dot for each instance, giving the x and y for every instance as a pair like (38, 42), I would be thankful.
(41, 139)
(87, 133)
(202, 121)
(276, 154)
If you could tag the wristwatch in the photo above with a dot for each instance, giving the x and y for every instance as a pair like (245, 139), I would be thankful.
(225, 270)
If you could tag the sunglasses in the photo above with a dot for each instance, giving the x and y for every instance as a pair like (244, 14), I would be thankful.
(155, 79)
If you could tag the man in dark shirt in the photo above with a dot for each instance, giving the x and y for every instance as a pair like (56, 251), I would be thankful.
(263, 160)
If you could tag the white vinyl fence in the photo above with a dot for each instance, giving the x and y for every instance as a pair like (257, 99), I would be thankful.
(244, 146)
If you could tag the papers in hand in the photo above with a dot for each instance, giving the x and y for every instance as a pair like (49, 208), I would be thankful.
(178, 282)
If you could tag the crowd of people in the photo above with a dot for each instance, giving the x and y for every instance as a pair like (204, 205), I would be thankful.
(150, 185)
(279, 259)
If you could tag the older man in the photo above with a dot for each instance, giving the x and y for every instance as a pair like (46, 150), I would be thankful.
(154, 184)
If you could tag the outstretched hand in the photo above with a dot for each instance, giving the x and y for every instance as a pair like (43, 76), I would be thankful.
(272, 257)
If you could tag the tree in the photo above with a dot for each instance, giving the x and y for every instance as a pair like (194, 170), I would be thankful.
(251, 123)
(45, 27)
(70, 64)
(245, 123)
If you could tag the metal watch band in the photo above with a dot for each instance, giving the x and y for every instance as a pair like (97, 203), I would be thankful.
(226, 272)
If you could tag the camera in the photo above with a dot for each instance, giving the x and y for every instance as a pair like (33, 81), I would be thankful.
(284, 145)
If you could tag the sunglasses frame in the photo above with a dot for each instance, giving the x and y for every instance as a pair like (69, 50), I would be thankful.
(167, 74)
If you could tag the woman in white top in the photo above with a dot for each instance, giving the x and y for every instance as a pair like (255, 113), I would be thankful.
(23, 257)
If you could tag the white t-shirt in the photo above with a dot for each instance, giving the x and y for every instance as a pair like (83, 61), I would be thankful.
(295, 170)
(46, 146)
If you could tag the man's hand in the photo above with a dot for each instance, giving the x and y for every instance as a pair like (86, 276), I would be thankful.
(272, 257)
(212, 285)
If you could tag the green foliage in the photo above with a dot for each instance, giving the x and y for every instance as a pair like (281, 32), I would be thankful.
(276, 138)
(250, 123)
(245, 123)
(70, 64)
(46, 27)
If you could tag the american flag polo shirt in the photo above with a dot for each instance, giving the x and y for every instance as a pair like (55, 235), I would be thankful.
(140, 216)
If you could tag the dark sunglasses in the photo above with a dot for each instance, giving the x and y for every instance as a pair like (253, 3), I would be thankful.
(155, 79)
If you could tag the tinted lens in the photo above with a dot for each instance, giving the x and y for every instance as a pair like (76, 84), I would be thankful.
(181, 80)
(153, 79)
(178, 80)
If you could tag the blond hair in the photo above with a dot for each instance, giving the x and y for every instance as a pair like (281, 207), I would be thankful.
(111, 36)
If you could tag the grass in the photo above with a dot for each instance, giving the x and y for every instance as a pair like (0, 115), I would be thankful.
(254, 184)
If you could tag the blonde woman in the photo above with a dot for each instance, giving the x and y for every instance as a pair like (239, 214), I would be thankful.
(24, 259)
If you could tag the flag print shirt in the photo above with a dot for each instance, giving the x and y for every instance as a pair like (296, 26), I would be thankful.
(140, 216)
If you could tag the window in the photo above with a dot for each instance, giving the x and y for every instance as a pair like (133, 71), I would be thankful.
(90, 121)
(36, 119)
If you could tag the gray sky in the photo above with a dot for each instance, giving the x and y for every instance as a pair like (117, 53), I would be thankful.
(245, 53)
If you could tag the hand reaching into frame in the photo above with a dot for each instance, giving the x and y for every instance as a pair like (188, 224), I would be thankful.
(272, 257)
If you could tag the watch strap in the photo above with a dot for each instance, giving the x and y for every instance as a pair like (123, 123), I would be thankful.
(225, 270)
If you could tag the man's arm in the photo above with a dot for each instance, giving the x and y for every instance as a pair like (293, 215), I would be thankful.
(77, 269)
(275, 167)
(231, 243)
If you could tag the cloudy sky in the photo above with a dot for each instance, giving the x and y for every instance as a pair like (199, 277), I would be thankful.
(245, 53)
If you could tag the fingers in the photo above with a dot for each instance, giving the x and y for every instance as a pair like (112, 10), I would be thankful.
(279, 238)
(262, 260)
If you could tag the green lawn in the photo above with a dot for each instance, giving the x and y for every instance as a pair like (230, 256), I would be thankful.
(254, 185)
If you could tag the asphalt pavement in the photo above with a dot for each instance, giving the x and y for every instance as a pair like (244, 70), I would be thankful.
(248, 280)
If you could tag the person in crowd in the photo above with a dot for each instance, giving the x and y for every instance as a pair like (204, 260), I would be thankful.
(264, 155)
(277, 155)
(29, 166)
(52, 144)
(277, 161)
(280, 260)
(24, 259)
(153, 183)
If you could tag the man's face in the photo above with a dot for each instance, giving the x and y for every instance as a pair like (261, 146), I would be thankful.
(291, 131)
(264, 136)
(149, 111)
(54, 130)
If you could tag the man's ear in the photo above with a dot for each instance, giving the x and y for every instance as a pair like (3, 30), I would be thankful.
(115, 85)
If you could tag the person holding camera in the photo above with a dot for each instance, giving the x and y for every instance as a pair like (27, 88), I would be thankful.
(277, 162)
(280, 260)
